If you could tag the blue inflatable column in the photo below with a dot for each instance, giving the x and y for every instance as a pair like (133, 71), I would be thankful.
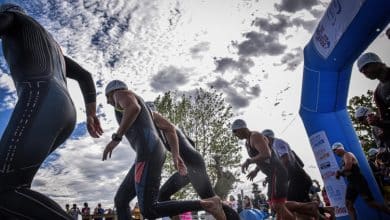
(347, 28)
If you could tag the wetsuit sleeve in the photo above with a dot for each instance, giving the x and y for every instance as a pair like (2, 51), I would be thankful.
(5, 22)
(83, 77)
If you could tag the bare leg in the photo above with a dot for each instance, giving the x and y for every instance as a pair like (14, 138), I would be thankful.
(213, 205)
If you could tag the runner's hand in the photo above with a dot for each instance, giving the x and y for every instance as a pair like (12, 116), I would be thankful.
(109, 148)
(245, 165)
(252, 175)
(179, 165)
(93, 126)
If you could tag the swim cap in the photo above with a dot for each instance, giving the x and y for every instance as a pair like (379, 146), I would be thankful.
(337, 145)
(366, 59)
(362, 111)
(268, 133)
(237, 124)
(151, 106)
(11, 7)
(372, 152)
(115, 85)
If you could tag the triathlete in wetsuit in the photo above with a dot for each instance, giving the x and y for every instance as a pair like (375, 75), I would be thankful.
(145, 175)
(267, 162)
(357, 184)
(44, 115)
(373, 68)
(197, 174)
(299, 182)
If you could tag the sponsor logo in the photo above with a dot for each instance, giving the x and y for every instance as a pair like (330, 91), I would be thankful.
(327, 175)
(324, 156)
(325, 165)
(334, 10)
(321, 37)
(340, 211)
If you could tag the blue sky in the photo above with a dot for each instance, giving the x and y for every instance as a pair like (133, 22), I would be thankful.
(251, 51)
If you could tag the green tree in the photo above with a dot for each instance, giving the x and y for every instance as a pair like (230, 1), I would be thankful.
(363, 131)
(205, 117)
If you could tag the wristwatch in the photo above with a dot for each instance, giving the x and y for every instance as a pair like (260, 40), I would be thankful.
(116, 137)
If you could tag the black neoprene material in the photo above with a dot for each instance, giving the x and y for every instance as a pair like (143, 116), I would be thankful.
(197, 175)
(150, 157)
(43, 118)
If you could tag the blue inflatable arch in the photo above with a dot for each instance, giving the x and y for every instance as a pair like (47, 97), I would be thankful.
(347, 28)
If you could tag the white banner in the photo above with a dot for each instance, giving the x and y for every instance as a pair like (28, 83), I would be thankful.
(335, 21)
(328, 166)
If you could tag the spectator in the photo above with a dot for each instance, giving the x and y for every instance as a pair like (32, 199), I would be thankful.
(67, 208)
(110, 214)
(186, 216)
(233, 203)
(85, 211)
(75, 212)
(99, 211)
(239, 203)
(247, 203)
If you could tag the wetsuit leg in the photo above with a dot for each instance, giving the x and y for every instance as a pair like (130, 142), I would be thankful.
(278, 186)
(124, 195)
(299, 186)
(197, 175)
(147, 182)
(43, 118)
(171, 186)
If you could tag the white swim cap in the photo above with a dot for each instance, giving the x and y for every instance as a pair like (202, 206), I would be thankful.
(115, 85)
(366, 59)
(337, 145)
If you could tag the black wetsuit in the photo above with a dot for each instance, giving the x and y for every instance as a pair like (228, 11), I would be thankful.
(382, 100)
(197, 175)
(299, 182)
(357, 184)
(144, 177)
(43, 118)
(276, 172)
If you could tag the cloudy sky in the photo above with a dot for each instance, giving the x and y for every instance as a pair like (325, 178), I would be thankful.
(250, 50)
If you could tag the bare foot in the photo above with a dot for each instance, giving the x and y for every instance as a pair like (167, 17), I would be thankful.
(213, 205)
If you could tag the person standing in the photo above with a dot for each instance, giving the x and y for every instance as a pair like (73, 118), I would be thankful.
(44, 115)
(75, 212)
(85, 212)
